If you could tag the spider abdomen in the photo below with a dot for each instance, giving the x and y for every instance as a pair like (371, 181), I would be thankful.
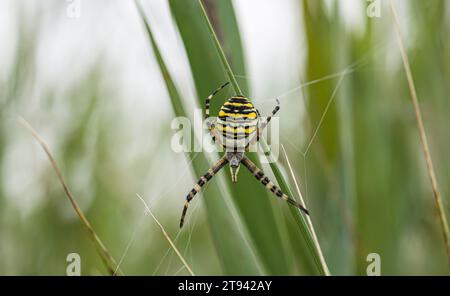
(237, 123)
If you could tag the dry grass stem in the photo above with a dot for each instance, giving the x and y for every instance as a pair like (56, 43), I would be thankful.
(107, 259)
(423, 135)
(147, 208)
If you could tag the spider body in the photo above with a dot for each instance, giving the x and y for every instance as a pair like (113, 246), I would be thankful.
(237, 127)
(237, 123)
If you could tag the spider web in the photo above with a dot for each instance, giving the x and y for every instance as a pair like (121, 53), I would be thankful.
(190, 226)
(192, 222)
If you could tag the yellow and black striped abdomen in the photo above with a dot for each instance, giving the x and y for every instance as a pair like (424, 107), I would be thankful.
(237, 123)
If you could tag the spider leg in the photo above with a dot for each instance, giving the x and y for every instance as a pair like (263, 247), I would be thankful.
(208, 99)
(264, 124)
(260, 176)
(207, 112)
(201, 182)
(214, 133)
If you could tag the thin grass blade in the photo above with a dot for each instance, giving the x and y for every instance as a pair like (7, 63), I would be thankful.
(107, 259)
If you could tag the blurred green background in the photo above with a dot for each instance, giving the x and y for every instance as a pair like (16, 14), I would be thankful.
(85, 75)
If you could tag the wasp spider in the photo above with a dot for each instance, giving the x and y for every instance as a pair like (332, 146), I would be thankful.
(237, 127)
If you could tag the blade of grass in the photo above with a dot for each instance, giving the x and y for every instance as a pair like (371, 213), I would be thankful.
(221, 214)
(231, 39)
(422, 134)
(219, 49)
(282, 182)
(175, 98)
(107, 259)
(172, 245)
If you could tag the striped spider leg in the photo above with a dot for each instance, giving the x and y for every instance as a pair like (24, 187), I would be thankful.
(201, 182)
(264, 124)
(216, 167)
(210, 125)
(261, 177)
(259, 174)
